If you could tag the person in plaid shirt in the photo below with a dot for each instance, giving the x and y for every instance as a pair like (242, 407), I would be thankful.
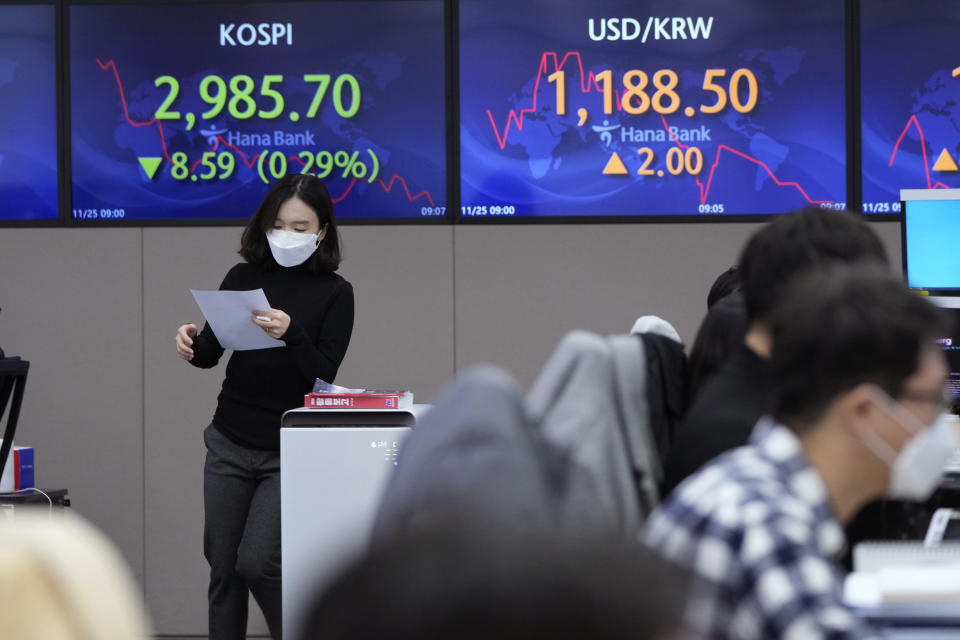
(860, 383)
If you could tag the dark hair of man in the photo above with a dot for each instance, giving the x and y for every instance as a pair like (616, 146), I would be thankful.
(725, 284)
(719, 336)
(842, 326)
(483, 584)
(313, 193)
(797, 241)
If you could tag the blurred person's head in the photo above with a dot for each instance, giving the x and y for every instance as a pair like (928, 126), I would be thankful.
(726, 283)
(860, 377)
(61, 579)
(793, 243)
(720, 335)
(479, 585)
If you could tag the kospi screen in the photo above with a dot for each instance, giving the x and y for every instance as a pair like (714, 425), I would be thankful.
(28, 113)
(633, 108)
(191, 111)
(910, 87)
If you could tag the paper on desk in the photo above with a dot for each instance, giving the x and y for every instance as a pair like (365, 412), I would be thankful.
(229, 312)
(904, 584)
(322, 386)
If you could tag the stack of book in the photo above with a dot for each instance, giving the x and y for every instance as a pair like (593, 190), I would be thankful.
(328, 396)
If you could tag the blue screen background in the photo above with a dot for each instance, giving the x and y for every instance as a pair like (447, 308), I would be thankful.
(552, 167)
(394, 49)
(28, 113)
(932, 231)
(908, 97)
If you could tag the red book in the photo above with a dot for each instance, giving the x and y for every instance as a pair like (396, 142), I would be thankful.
(372, 399)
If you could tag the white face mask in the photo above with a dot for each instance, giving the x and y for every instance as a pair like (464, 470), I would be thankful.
(916, 469)
(290, 248)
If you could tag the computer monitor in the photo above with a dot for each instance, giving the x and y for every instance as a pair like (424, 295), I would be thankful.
(931, 237)
(950, 343)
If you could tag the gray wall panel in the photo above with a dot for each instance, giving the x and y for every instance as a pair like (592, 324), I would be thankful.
(889, 232)
(519, 289)
(403, 282)
(71, 301)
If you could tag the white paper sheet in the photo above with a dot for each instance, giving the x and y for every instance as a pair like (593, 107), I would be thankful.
(228, 313)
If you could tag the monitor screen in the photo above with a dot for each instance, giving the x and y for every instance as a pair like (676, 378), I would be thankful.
(188, 112)
(909, 91)
(625, 108)
(28, 113)
(931, 236)
(950, 343)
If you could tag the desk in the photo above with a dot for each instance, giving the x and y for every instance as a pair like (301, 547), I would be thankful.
(34, 499)
(906, 590)
(334, 464)
(891, 519)
(916, 622)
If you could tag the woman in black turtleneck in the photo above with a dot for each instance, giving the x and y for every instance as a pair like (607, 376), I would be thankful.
(292, 249)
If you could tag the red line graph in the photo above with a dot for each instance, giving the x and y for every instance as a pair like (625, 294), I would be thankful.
(923, 148)
(588, 84)
(513, 116)
(705, 191)
(387, 187)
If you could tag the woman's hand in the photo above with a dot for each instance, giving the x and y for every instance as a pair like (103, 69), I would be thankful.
(185, 335)
(274, 322)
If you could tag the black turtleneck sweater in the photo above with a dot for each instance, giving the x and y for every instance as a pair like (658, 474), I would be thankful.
(261, 384)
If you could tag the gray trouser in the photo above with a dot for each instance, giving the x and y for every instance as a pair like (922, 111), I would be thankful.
(241, 534)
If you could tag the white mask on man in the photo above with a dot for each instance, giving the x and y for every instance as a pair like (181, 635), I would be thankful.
(916, 469)
(290, 248)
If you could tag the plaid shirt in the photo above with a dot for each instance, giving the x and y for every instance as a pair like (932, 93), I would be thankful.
(756, 529)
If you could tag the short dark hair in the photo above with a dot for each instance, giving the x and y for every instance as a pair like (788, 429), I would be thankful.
(841, 326)
(481, 584)
(797, 241)
(720, 335)
(726, 283)
(313, 193)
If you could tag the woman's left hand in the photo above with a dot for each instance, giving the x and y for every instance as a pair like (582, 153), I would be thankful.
(274, 322)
